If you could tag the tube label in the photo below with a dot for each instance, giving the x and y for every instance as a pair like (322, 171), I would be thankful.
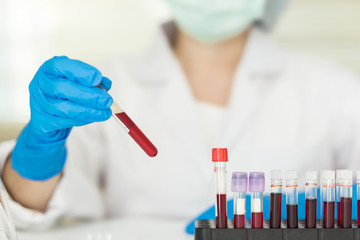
(240, 206)
(256, 205)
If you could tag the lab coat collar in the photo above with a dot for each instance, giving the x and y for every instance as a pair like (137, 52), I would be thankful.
(177, 109)
(262, 55)
(261, 65)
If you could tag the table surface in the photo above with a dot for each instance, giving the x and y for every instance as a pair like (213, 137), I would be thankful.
(125, 228)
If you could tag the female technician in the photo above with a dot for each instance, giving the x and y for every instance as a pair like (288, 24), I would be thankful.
(211, 78)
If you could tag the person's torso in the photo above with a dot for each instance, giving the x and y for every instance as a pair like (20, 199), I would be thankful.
(279, 117)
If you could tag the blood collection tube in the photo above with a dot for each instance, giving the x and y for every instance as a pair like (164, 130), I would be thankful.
(338, 176)
(239, 188)
(321, 195)
(346, 199)
(132, 129)
(275, 199)
(328, 192)
(358, 197)
(257, 187)
(310, 199)
(220, 158)
(292, 199)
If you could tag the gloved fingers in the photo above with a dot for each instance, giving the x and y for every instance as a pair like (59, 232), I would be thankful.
(49, 123)
(75, 92)
(74, 70)
(106, 83)
(67, 109)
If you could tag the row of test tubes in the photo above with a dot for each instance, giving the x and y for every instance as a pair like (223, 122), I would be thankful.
(329, 186)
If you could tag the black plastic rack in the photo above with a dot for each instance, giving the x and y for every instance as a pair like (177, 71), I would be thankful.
(206, 230)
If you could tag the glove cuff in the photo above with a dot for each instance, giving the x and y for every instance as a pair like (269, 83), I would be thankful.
(38, 157)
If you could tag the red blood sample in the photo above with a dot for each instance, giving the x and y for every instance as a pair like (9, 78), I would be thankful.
(338, 214)
(239, 221)
(358, 212)
(275, 210)
(328, 221)
(310, 213)
(256, 220)
(345, 217)
(292, 215)
(137, 134)
(221, 218)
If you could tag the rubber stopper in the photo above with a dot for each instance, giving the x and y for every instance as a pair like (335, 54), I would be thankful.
(219, 155)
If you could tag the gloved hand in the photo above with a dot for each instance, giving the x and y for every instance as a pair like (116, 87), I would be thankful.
(63, 94)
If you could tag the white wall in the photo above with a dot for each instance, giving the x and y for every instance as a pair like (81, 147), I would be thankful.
(91, 30)
(327, 28)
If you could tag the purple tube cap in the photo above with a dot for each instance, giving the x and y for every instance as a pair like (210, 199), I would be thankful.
(257, 182)
(239, 182)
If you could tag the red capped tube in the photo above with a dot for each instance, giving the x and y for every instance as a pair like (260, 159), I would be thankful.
(220, 158)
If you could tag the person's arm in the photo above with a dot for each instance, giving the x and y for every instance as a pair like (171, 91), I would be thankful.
(63, 94)
(30, 194)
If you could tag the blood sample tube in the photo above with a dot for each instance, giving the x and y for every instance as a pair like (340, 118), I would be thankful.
(310, 199)
(292, 199)
(321, 195)
(346, 199)
(338, 174)
(220, 158)
(239, 188)
(358, 197)
(256, 187)
(328, 192)
(132, 129)
(275, 199)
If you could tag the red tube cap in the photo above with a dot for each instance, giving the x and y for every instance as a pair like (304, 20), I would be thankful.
(219, 155)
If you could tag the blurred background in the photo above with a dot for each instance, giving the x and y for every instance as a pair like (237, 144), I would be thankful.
(93, 30)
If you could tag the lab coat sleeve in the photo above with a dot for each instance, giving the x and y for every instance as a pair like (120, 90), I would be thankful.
(77, 196)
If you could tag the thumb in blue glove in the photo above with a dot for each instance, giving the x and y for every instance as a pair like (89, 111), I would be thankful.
(63, 94)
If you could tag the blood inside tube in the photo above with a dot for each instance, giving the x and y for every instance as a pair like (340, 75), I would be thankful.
(138, 136)
(257, 220)
(275, 210)
(221, 216)
(338, 210)
(292, 215)
(328, 221)
(358, 213)
(239, 221)
(345, 216)
(310, 213)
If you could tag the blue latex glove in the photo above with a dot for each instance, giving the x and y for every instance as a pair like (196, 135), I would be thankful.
(210, 212)
(63, 94)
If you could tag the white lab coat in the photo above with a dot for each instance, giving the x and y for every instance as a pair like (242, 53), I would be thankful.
(286, 111)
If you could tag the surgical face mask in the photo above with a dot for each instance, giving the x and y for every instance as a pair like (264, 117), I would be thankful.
(215, 20)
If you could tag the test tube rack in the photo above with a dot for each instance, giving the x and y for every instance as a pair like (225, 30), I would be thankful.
(206, 230)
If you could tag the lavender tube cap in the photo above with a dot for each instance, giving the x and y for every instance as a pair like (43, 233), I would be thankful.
(257, 182)
(239, 182)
